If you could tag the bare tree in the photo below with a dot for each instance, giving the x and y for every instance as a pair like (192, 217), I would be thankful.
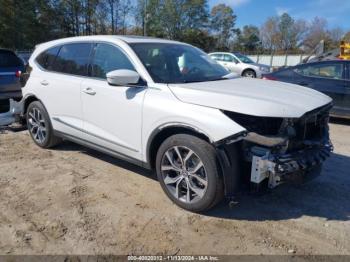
(269, 34)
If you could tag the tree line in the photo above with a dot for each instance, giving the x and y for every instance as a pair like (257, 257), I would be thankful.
(25, 23)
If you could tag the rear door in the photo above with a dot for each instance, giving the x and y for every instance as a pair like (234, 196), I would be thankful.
(10, 68)
(65, 67)
(328, 77)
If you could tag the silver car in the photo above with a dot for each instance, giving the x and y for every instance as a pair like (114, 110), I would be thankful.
(240, 64)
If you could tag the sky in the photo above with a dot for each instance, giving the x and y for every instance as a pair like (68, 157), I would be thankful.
(255, 12)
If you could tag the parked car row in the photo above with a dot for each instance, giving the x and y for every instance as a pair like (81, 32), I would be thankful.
(330, 77)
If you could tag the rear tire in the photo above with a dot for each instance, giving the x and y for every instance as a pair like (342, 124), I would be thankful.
(40, 127)
(189, 173)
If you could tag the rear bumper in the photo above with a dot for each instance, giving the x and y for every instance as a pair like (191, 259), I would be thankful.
(12, 115)
(16, 95)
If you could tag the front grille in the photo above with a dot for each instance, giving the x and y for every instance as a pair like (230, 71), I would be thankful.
(4, 105)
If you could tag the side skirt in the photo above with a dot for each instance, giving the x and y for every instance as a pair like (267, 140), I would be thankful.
(102, 149)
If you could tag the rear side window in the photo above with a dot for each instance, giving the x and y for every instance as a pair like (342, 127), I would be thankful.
(46, 58)
(326, 70)
(73, 59)
(218, 57)
(9, 59)
(108, 58)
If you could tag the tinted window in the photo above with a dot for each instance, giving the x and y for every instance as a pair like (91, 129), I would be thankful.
(73, 59)
(46, 58)
(327, 70)
(108, 58)
(9, 59)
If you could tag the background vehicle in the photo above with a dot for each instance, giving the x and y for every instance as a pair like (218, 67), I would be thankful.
(10, 70)
(25, 55)
(168, 106)
(240, 64)
(328, 77)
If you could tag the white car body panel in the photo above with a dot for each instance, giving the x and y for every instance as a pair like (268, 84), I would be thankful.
(162, 109)
(113, 116)
(252, 97)
(61, 95)
(123, 119)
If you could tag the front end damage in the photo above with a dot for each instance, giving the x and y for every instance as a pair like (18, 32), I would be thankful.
(275, 150)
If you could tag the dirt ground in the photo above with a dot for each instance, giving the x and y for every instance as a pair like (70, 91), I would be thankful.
(72, 200)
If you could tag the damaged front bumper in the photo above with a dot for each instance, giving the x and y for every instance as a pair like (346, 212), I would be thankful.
(279, 167)
(295, 150)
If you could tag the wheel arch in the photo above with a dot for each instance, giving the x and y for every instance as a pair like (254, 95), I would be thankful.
(26, 102)
(159, 135)
(248, 69)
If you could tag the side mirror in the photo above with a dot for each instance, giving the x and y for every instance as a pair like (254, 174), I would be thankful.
(122, 77)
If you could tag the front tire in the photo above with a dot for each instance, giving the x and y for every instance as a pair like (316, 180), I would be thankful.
(39, 126)
(189, 173)
(249, 73)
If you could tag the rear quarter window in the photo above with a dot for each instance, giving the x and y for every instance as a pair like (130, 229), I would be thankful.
(46, 58)
(73, 59)
(9, 59)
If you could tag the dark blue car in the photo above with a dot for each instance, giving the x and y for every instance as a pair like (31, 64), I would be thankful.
(329, 77)
(11, 67)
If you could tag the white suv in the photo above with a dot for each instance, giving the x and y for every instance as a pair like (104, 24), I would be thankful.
(167, 106)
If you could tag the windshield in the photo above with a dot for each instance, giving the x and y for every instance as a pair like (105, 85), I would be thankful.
(177, 63)
(244, 58)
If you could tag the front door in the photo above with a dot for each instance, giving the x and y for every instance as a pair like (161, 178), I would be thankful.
(231, 63)
(112, 114)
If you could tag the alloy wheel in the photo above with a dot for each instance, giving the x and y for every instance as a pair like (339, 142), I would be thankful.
(184, 174)
(36, 125)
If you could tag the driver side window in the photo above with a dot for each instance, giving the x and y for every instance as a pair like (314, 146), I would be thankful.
(108, 58)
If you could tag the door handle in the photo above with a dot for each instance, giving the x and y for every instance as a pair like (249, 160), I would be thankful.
(44, 83)
(89, 91)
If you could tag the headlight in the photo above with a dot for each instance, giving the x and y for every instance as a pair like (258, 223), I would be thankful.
(264, 69)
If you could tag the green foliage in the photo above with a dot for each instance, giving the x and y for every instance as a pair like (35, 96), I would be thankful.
(26, 23)
(222, 24)
(247, 40)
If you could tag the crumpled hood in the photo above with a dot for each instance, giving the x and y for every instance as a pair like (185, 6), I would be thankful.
(252, 97)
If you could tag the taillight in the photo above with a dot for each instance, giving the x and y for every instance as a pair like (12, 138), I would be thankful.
(267, 77)
(18, 73)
